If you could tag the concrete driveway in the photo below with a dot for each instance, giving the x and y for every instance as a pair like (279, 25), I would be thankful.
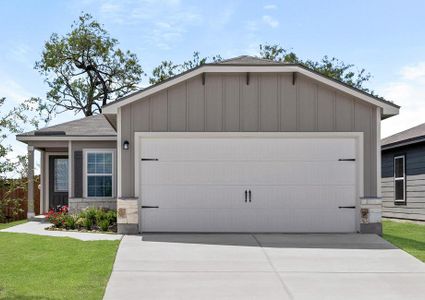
(264, 266)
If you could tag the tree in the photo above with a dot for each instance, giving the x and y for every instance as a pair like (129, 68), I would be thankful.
(85, 69)
(331, 67)
(168, 69)
(12, 122)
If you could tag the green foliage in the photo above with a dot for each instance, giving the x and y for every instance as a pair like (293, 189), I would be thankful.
(85, 69)
(103, 224)
(168, 69)
(331, 67)
(70, 221)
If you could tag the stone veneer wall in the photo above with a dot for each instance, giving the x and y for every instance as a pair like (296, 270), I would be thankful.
(128, 215)
(371, 215)
(78, 204)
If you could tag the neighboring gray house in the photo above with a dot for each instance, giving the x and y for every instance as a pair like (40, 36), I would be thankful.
(403, 174)
(244, 145)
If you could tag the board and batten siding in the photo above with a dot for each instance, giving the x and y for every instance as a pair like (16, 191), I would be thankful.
(414, 209)
(269, 103)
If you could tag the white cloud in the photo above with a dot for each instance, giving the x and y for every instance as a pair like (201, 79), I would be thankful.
(269, 20)
(12, 90)
(408, 91)
(161, 24)
(270, 6)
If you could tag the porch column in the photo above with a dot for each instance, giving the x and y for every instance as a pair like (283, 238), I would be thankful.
(30, 175)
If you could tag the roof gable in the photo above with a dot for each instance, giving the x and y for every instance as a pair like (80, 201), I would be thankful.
(248, 64)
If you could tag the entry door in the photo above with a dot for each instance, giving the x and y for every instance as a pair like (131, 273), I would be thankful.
(58, 181)
(248, 184)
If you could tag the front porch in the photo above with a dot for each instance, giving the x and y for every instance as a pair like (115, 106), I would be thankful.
(65, 178)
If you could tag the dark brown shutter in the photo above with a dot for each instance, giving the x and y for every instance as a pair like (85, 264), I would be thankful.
(78, 174)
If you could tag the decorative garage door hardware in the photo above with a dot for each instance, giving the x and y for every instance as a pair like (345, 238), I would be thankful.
(248, 196)
(149, 206)
(351, 207)
(150, 159)
(347, 159)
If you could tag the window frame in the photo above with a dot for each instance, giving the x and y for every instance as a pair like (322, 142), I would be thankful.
(86, 152)
(55, 190)
(400, 201)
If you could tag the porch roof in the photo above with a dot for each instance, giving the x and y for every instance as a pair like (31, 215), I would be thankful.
(93, 127)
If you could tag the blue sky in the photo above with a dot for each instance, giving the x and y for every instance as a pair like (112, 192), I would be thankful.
(385, 37)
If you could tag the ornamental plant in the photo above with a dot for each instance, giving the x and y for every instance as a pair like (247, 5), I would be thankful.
(58, 218)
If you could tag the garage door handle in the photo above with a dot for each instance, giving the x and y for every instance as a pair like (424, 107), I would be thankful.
(148, 206)
(249, 195)
(352, 207)
(347, 159)
(246, 196)
(150, 159)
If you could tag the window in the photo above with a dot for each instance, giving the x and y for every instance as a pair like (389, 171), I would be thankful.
(61, 175)
(399, 179)
(99, 173)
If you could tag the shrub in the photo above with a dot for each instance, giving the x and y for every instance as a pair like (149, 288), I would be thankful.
(103, 224)
(112, 217)
(56, 218)
(70, 221)
(90, 215)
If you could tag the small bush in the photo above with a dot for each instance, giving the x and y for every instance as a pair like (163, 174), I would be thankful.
(104, 225)
(70, 221)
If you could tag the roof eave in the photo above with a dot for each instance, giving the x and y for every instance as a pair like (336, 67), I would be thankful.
(402, 143)
(29, 138)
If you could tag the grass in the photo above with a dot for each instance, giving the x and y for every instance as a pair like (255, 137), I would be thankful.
(409, 237)
(7, 225)
(41, 267)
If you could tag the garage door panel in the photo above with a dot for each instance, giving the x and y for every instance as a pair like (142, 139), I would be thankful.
(193, 196)
(297, 185)
(248, 172)
(298, 197)
(248, 220)
(186, 149)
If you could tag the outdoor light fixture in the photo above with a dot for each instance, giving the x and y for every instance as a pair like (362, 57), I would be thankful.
(125, 145)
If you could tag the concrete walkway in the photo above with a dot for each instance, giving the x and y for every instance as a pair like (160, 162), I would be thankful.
(263, 266)
(39, 229)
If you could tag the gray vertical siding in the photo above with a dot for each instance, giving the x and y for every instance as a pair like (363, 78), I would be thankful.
(414, 209)
(270, 102)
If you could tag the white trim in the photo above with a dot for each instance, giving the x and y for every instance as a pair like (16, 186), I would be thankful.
(70, 193)
(358, 136)
(378, 153)
(42, 181)
(47, 181)
(400, 178)
(65, 138)
(387, 108)
(119, 155)
(114, 174)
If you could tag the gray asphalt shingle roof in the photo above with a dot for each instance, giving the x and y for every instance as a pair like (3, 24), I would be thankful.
(96, 125)
(249, 60)
(413, 134)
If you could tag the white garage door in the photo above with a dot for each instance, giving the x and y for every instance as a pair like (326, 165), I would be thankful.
(248, 184)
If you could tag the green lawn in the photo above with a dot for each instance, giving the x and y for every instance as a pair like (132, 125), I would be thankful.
(407, 236)
(6, 225)
(41, 267)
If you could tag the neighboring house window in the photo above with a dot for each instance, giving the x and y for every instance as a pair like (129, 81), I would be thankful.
(99, 173)
(399, 179)
(61, 174)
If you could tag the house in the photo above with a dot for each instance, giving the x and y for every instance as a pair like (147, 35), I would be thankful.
(403, 174)
(243, 145)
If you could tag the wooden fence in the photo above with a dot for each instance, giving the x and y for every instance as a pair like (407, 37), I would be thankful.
(22, 194)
